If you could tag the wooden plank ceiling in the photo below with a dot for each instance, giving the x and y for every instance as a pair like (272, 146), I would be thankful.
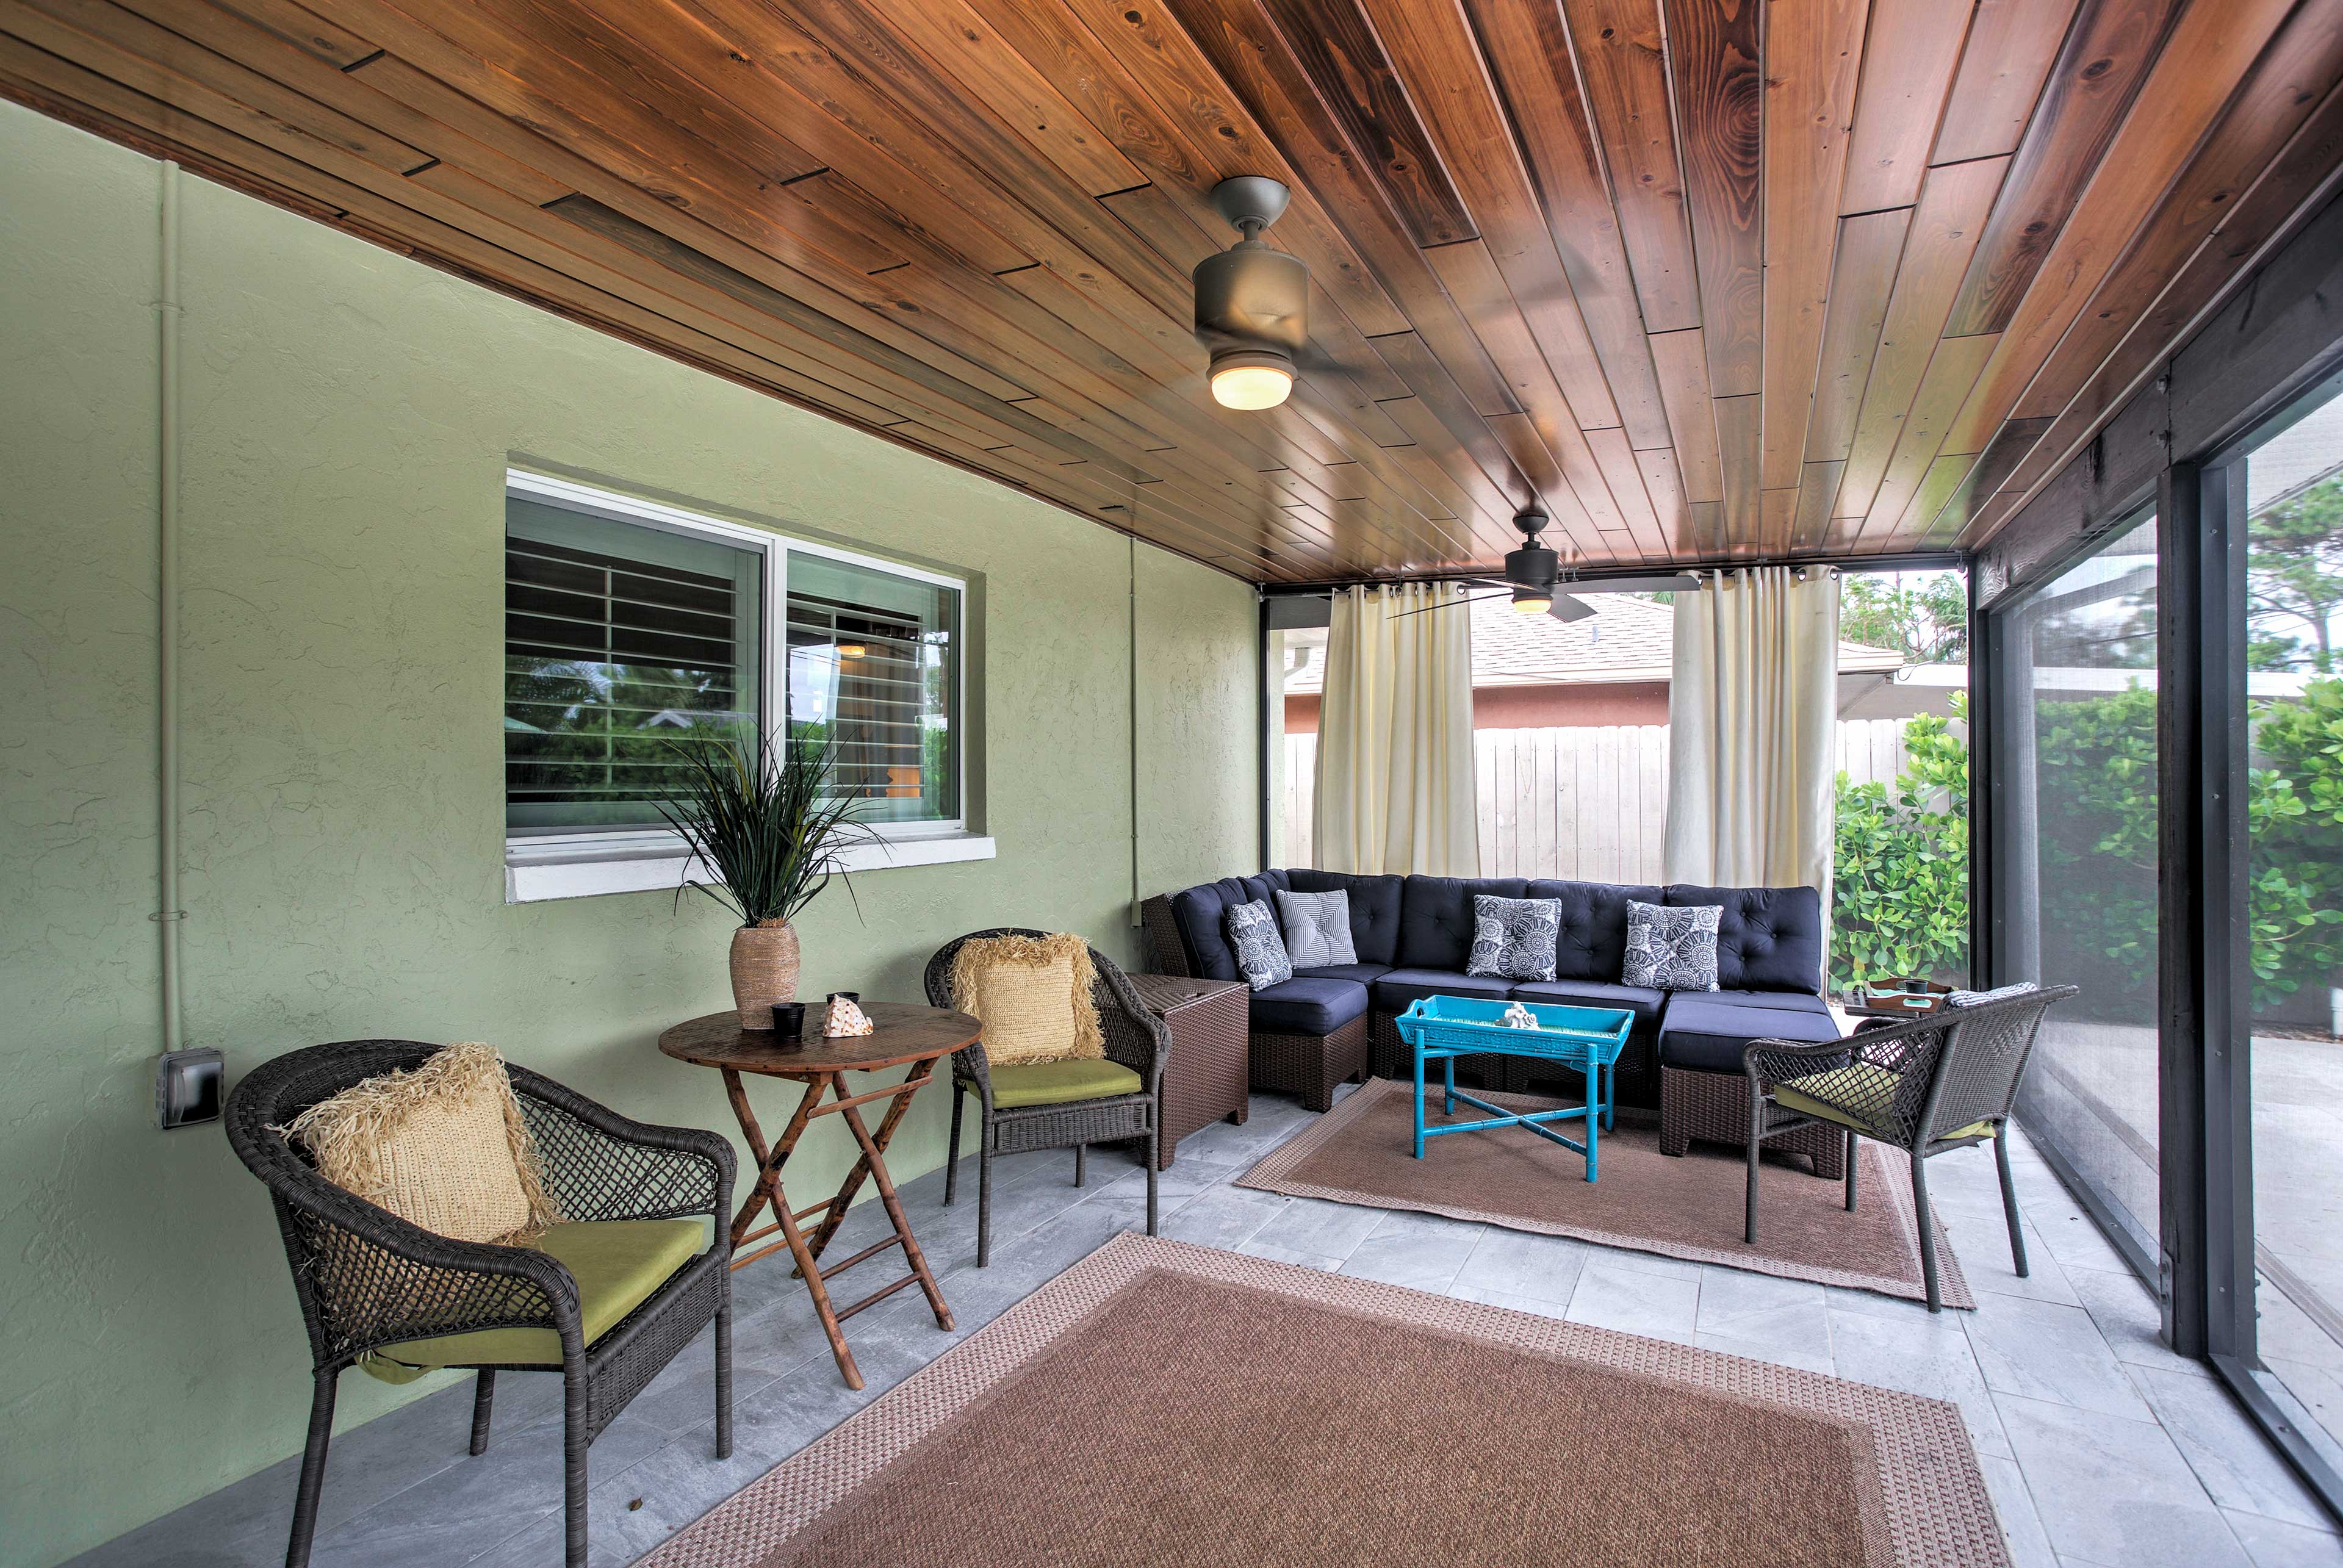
(1709, 279)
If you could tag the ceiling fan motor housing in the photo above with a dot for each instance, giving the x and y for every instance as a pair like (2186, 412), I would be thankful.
(1252, 297)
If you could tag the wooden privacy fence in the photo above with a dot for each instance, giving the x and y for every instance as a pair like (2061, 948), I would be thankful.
(1589, 804)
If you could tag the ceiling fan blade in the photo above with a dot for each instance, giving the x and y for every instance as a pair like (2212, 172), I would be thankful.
(1452, 604)
(1566, 609)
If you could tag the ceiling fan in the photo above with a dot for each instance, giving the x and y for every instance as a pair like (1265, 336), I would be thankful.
(1529, 580)
(1252, 303)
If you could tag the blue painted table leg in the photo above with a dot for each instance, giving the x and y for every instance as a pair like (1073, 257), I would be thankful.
(1448, 1085)
(1610, 1094)
(1593, 1118)
(1419, 1102)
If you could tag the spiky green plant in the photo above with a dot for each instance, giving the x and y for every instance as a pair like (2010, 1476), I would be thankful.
(765, 820)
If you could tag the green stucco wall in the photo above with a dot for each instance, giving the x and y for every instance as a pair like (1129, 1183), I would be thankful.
(349, 415)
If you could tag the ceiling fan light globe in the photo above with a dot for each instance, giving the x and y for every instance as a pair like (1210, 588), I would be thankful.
(1529, 601)
(1251, 380)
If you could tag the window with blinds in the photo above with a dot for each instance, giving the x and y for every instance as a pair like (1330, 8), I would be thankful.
(620, 640)
(874, 669)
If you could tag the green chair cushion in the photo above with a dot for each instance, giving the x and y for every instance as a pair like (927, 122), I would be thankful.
(618, 1263)
(1056, 1082)
(1861, 1085)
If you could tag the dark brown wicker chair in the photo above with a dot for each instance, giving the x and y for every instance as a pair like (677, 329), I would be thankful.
(1926, 1086)
(1135, 1039)
(368, 1278)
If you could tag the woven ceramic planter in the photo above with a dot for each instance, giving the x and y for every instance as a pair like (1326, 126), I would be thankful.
(764, 972)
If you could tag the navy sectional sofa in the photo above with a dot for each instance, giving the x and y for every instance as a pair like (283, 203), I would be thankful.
(1412, 934)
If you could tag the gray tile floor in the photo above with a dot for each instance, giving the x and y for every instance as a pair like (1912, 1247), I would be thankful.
(2103, 1449)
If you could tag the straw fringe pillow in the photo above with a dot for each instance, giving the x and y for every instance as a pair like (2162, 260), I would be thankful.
(443, 1147)
(1033, 994)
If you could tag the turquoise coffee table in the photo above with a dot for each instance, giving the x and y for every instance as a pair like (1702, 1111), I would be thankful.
(1442, 1027)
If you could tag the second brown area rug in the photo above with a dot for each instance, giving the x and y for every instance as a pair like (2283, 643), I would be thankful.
(1159, 1403)
(1687, 1206)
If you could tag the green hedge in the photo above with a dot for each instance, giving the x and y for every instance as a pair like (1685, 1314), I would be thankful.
(1900, 901)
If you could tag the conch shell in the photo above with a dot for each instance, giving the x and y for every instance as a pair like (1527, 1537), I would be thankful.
(845, 1021)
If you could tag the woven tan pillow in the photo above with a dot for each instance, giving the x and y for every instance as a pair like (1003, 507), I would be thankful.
(442, 1147)
(1033, 994)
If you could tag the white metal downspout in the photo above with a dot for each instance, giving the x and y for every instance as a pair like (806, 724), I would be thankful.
(170, 915)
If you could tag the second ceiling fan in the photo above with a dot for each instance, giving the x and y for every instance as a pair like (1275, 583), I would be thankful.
(1531, 573)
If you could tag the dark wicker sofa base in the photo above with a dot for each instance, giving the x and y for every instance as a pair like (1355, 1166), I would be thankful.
(1715, 1107)
(1309, 1065)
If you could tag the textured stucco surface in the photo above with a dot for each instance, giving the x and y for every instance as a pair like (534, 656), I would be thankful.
(348, 417)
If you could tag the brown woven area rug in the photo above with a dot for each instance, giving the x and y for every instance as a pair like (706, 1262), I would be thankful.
(1688, 1206)
(1164, 1404)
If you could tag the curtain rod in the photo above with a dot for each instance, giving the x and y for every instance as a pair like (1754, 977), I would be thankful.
(1935, 560)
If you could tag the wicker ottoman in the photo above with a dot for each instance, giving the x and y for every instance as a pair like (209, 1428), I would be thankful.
(1715, 1107)
(1206, 1076)
(1310, 1065)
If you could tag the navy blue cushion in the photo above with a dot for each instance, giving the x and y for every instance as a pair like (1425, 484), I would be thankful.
(1374, 910)
(1395, 991)
(1358, 974)
(1768, 938)
(1773, 1001)
(1202, 914)
(1642, 1002)
(1435, 920)
(1307, 1006)
(1698, 1031)
(1593, 943)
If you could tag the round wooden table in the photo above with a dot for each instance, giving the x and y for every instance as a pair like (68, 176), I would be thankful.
(906, 1035)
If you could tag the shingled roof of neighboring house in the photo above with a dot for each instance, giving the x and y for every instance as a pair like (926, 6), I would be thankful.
(1627, 639)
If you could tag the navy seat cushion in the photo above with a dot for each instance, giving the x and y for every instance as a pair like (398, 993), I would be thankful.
(1396, 990)
(1374, 908)
(1200, 914)
(1307, 1006)
(1768, 938)
(1640, 1000)
(1773, 1001)
(1592, 944)
(1435, 920)
(1358, 974)
(1697, 1031)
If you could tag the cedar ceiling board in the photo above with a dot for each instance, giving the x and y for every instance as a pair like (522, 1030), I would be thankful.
(1909, 56)
(1810, 529)
(1682, 361)
(1527, 49)
(1777, 516)
(1813, 54)
(2285, 85)
(1433, 50)
(164, 49)
(1664, 486)
(2298, 176)
(266, 49)
(1952, 371)
(970, 50)
(1979, 477)
(1703, 536)
(1870, 249)
(1626, 477)
(1945, 226)
(2011, 44)
(1266, 80)
(1736, 446)
(2143, 305)
(2102, 65)
(1714, 46)
(305, 30)
(1625, 73)
(1337, 50)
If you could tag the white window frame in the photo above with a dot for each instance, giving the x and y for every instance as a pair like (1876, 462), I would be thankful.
(582, 864)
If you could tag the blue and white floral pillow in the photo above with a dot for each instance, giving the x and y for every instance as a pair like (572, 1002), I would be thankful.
(1513, 938)
(1261, 951)
(1672, 948)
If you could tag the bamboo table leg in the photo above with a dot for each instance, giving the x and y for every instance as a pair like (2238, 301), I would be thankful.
(887, 1125)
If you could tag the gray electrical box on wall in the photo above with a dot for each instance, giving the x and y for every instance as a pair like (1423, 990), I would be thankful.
(187, 1087)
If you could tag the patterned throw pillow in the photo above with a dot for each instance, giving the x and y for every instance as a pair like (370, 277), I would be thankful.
(1672, 949)
(1999, 994)
(1513, 938)
(1317, 928)
(1260, 952)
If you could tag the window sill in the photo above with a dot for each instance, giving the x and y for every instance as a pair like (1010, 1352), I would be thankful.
(587, 866)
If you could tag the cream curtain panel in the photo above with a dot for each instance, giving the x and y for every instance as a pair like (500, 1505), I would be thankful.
(1752, 721)
(1394, 779)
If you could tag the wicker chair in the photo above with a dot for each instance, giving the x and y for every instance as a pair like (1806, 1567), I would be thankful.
(367, 1279)
(1925, 1086)
(1135, 1039)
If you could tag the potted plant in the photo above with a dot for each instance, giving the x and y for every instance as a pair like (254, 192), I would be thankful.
(767, 823)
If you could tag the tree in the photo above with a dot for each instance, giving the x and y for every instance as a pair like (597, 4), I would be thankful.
(2294, 572)
(1928, 622)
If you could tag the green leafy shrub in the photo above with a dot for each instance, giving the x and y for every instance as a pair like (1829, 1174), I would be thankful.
(1900, 890)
